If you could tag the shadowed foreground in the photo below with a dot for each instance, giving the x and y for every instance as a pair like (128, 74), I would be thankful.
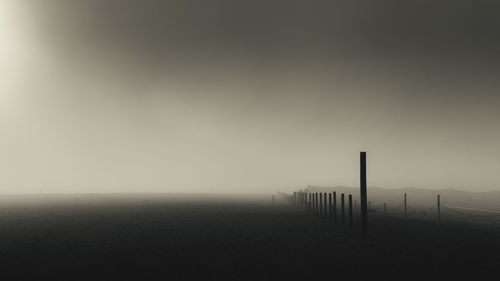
(182, 237)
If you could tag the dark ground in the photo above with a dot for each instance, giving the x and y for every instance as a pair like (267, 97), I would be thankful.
(223, 238)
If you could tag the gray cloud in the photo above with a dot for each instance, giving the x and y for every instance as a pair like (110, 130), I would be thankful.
(248, 95)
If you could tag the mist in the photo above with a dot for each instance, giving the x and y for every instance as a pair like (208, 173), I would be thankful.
(247, 96)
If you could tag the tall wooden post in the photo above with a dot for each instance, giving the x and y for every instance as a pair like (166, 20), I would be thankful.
(342, 208)
(350, 210)
(335, 207)
(330, 206)
(363, 195)
(439, 209)
(405, 204)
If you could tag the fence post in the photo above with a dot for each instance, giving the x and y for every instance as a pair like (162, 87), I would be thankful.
(301, 200)
(363, 196)
(439, 209)
(304, 201)
(350, 210)
(325, 209)
(315, 202)
(405, 204)
(321, 204)
(335, 207)
(297, 200)
(342, 205)
(330, 206)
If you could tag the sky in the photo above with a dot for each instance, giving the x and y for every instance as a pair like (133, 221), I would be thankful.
(247, 96)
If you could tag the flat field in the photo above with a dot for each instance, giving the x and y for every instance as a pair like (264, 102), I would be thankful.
(226, 237)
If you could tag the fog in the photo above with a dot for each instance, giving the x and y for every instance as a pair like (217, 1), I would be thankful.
(247, 96)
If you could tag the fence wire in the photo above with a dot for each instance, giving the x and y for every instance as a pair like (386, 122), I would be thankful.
(453, 209)
(447, 210)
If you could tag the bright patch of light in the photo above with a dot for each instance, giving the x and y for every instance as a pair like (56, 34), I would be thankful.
(16, 52)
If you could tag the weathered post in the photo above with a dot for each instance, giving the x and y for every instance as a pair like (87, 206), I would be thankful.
(309, 203)
(405, 204)
(342, 208)
(350, 210)
(363, 196)
(439, 209)
(330, 206)
(335, 207)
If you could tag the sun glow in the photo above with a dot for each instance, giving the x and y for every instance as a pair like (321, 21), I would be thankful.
(17, 52)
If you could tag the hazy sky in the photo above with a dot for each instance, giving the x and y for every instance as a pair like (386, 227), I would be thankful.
(247, 96)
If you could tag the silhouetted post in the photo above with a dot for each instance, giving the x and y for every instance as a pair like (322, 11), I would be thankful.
(324, 205)
(309, 202)
(321, 204)
(439, 209)
(405, 204)
(342, 209)
(335, 207)
(316, 203)
(384, 209)
(330, 206)
(363, 196)
(304, 201)
(350, 210)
